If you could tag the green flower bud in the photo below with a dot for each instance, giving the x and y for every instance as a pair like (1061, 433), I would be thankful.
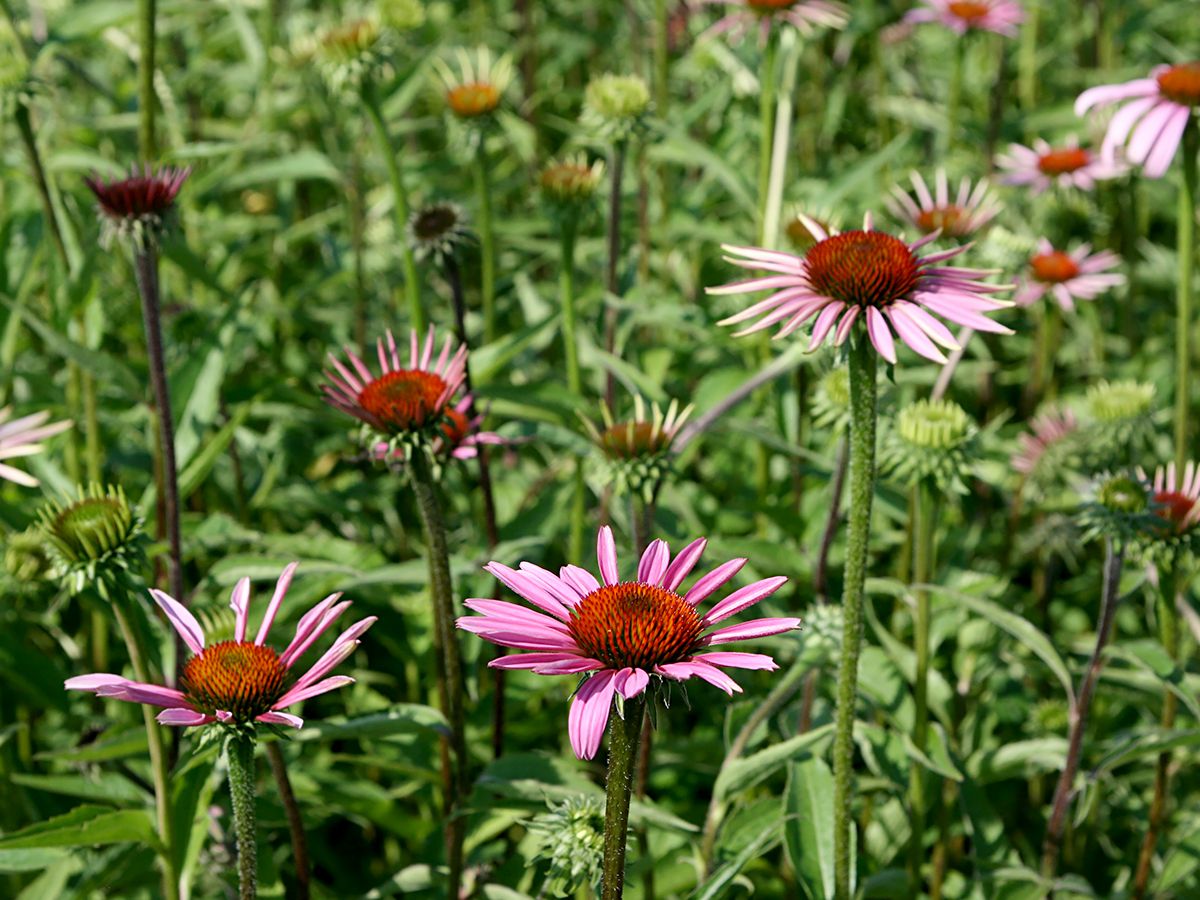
(1120, 422)
(571, 181)
(616, 104)
(932, 439)
(571, 839)
(94, 539)
(25, 556)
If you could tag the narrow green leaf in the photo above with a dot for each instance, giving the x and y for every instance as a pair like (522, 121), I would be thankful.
(808, 839)
(85, 826)
(750, 770)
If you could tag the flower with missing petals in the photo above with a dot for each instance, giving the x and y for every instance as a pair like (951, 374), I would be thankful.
(870, 277)
(625, 636)
(961, 16)
(571, 181)
(637, 450)
(140, 205)
(239, 682)
(1042, 166)
(435, 230)
(23, 437)
(1150, 125)
(476, 89)
(1069, 276)
(746, 16)
(961, 216)
(1044, 448)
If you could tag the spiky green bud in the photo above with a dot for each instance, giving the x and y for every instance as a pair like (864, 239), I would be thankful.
(571, 840)
(615, 105)
(931, 439)
(93, 539)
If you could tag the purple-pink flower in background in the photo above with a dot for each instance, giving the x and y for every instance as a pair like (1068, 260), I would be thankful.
(1150, 126)
(868, 276)
(1047, 429)
(620, 633)
(744, 16)
(23, 437)
(1000, 16)
(1069, 276)
(1043, 165)
(240, 681)
(959, 216)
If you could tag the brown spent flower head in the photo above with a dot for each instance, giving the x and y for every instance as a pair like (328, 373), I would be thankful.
(571, 180)
(140, 204)
(436, 229)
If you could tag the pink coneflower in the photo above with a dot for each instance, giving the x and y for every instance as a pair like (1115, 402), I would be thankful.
(1048, 429)
(867, 276)
(240, 681)
(1043, 165)
(23, 437)
(623, 634)
(144, 198)
(399, 400)
(1151, 125)
(961, 216)
(460, 437)
(1000, 16)
(1176, 501)
(758, 15)
(1077, 275)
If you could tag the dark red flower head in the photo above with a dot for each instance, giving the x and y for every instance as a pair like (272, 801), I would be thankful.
(145, 197)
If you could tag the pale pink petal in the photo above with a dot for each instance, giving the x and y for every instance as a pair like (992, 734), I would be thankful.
(185, 623)
(281, 718)
(631, 682)
(694, 668)
(281, 589)
(744, 598)
(606, 555)
(529, 660)
(738, 660)
(755, 628)
(239, 602)
(653, 562)
(880, 334)
(580, 579)
(183, 717)
(295, 695)
(706, 584)
(527, 587)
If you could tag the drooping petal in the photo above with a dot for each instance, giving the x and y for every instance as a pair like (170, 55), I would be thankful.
(738, 660)
(589, 713)
(281, 718)
(183, 716)
(631, 682)
(695, 668)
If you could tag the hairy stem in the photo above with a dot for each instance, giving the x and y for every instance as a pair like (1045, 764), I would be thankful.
(147, 143)
(1183, 319)
(442, 591)
(925, 507)
(146, 267)
(623, 735)
(487, 243)
(611, 284)
(239, 754)
(566, 284)
(862, 489)
(1113, 558)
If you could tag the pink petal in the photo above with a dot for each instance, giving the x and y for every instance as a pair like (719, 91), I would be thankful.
(92, 682)
(525, 586)
(529, 660)
(185, 623)
(281, 718)
(589, 713)
(744, 598)
(1159, 158)
(311, 625)
(683, 564)
(281, 589)
(572, 666)
(137, 692)
(880, 334)
(580, 579)
(183, 717)
(239, 602)
(755, 628)
(653, 562)
(694, 668)
(713, 580)
(606, 555)
(738, 660)
(631, 682)
(295, 695)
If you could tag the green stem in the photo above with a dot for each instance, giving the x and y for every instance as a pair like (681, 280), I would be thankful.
(1183, 319)
(147, 146)
(566, 282)
(1027, 59)
(862, 489)
(1113, 557)
(25, 129)
(766, 133)
(925, 507)
(662, 59)
(158, 757)
(623, 736)
(487, 243)
(1168, 625)
(611, 282)
(954, 96)
(239, 754)
(400, 205)
(772, 203)
(578, 513)
(291, 810)
(442, 594)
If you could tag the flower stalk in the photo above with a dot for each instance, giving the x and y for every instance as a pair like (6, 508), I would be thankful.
(611, 285)
(1114, 555)
(146, 268)
(1168, 624)
(400, 205)
(487, 242)
(1187, 263)
(566, 288)
(954, 96)
(239, 756)
(447, 655)
(624, 734)
(862, 488)
(147, 143)
(925, 507)
(291, 809)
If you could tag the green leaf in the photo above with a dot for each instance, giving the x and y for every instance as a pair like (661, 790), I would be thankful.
(720, 881)
(808, 839)
(32, 860)
(402, 719)
(85, 826)
(1153, 742)
(104, 787)
(1021, 629)
(303, 165)
(750, 770)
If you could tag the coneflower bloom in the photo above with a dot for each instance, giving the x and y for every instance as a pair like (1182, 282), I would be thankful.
(460, 436)
(1043, 165)
(1176, 501)
(23, 437)
(477, 88)
(868, 276)
(1000, 16)
(1047, 430)
(759, 15)
(1151, 125)
(240, 681)
(624, 635)
(1077, 275)
(641, 435)
(143, 200)
(960, 216)
(399, 400)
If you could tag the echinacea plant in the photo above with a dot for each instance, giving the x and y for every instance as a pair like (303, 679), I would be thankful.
(865, 282)
(237, 685)
(1066, 165)
(1157, 118)
(962, 215)
(630, 638)
(744, 17)
(138, 209)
